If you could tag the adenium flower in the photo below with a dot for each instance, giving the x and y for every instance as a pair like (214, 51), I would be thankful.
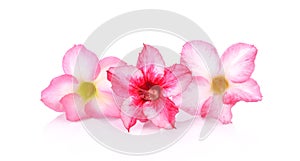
(83, 91)
(232, 82)
(146, 90)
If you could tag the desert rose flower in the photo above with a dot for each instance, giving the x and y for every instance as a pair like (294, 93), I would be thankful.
(232, 82)
(146, 90)
(83, 91)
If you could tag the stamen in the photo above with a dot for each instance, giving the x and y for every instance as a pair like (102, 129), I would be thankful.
(150, 95)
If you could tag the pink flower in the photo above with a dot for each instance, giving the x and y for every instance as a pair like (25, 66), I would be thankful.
(83, 91)
(233, 83)
(146, 90)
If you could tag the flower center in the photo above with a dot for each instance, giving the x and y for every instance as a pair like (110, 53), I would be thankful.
(87, 90)
(219, 84)
(152, 94)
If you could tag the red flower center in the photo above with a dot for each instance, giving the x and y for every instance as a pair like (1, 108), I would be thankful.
(151, 94)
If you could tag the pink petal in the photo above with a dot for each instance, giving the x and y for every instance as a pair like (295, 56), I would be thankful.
(182, 78)
(161, 112)
(226, 115)
(120, 79)
(110, 61)
(81, 63)
(154, 74)
(193, 98)
(102, 83)
(74, 107)
(148, 56)
(201, 58)
(70, 58)
(238, 62)
(128, 122)
(211, 109)
(205, 107)
(129, 114)
(188, 100)
(248, 91)
(58, 87)
(102, 106)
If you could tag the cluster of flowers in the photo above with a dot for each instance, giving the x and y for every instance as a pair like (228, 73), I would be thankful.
(151, 91)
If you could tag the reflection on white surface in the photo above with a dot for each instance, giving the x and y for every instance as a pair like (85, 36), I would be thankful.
(60, 129)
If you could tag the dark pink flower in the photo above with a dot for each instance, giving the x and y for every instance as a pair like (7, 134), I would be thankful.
(233, 83)
(83, 91)
(146, 90)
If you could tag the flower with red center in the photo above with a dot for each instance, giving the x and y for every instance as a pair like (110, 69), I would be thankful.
(146, 90)
(83, 91)
(233, 83)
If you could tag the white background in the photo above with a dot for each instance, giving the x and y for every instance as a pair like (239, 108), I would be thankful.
(34, 36)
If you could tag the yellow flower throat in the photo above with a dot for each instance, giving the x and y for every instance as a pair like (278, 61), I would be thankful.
(87, 90)
(219, 84)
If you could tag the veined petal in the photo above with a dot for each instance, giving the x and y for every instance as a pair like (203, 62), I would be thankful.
(201, 58)
(238, 62)
(120, 79)
(129, 113)
(150, 55)
(81, 63)
(154, 74)
(248, 91)
(226, 115)
(128, 122)
(183, 77)
(102, 106)
(161, 112)
(59, 86)
(101, 82)
(74, 107)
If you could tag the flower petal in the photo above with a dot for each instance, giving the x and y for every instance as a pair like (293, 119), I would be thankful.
(129, 113)
(226, 115)
(81, 63)
(212, 107)
(154, 74)
(201, 58)
(58, 87)
(161, 112)
(128, 122)
(120, 79)
(183, 77)
(205, 107)
(102, 106)
(70, 58)
(248, 91)
(150, 55)
(110, 61)
(238, 62)
(193, 98)
(74, 107)
(102, 83)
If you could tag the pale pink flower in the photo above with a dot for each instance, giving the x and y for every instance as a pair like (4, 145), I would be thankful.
(83, 91)
(232, 82)
(146, 90)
